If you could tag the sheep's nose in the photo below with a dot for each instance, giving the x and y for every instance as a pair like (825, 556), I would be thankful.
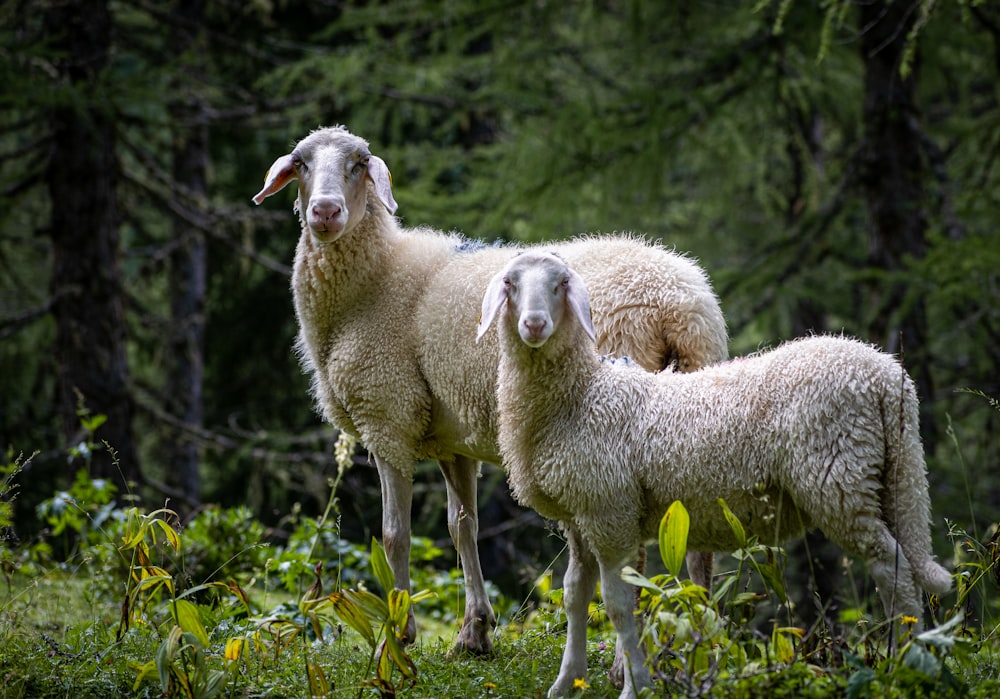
(535, 326)
(325, 210)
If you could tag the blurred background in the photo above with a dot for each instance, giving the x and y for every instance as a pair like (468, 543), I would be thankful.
(834, 165)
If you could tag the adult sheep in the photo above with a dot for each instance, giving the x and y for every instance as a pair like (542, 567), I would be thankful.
(385, 329)
(819, 432)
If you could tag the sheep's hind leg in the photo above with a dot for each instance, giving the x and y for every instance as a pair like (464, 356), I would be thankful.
(397, 502)
(619, 598)
(579, 585)
(475, 636)
(890, 569)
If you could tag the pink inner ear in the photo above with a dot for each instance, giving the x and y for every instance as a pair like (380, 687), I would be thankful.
(277, 178)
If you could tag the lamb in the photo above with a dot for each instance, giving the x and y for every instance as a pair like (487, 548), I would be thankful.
(384, 331)
(820, 432)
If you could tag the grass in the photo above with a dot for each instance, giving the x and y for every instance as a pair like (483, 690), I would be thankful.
(58, 640)
(135, 606)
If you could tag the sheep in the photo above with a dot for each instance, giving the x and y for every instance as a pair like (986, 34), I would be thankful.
(820, 432)
(384, 330)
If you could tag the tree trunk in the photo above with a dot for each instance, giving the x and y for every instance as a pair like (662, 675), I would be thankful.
(893, 172)
(86, 286)
(188, 261)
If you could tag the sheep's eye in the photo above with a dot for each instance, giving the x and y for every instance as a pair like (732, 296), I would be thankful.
(564, 283)
(298, 163)
(506, 282)
(356, 167)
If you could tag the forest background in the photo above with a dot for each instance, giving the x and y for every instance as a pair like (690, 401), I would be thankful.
(834, 165)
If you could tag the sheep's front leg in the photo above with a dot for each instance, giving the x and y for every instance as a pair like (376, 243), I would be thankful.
(460, 476)
(579, 584)
(699, 565)
(397, 501)
(619, 598)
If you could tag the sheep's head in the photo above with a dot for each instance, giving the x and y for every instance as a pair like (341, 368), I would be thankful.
(333, 168)
(538, 289)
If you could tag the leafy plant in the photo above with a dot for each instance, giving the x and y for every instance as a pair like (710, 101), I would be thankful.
(697, 643)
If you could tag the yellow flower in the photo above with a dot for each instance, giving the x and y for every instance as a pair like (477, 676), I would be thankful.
(234, 646)
(911, 620)
(580, 683)
(489, 685)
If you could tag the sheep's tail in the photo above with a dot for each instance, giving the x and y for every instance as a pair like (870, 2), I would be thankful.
(907, 505)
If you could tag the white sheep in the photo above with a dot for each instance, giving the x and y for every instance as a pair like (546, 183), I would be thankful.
(385, 329)
(820, 432)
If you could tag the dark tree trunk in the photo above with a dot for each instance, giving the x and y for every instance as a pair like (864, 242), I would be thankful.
(892, 174)
(188, 261)
(86, 282)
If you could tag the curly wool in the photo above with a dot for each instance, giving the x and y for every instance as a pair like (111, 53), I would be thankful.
(387, 321)
(820, 432)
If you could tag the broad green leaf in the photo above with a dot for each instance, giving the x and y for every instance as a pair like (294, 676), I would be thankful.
(371, 605)
(171, 535)
(399, 605)
(385, 663)
(352, 614)
(772, 575)
(165, 655)
(189, 619)
(318, 685)
(634, 577)
(734, 524)
(922, 660)
(673, 537)
(782, 647)
(422, 595)
(146, 671)
(944, 636)
(400, 658)
(210, 683)
(380, 567)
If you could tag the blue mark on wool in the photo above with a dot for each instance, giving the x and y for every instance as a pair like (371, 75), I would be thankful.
(473, 245)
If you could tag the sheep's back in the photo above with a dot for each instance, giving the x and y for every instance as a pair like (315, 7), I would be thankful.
(648, 303)
(803, 424)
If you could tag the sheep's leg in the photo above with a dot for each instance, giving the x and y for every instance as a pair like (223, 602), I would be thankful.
(891, 570)
(619, 599)
(397, 501)
(579, 585)
(616, 675)
(699, 565)
(463, 523)
(894, 577)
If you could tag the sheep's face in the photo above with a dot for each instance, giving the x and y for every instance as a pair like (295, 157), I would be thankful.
(333, 169)
(538, 289)
(333, 188)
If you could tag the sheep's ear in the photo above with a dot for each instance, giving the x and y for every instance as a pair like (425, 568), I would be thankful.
(378, 173)
(493, 299)
(277, 178)
(579, 302)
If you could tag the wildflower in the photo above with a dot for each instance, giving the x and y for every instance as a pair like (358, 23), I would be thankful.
(343, 451)
(580, 683)
(911, 620)
(234, 647)
(489, 686)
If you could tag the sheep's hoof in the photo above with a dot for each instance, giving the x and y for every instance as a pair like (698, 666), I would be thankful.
(616, 675)
(474, 639)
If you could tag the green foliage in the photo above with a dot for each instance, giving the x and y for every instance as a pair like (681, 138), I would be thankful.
(701, 645)
(159, 637)
(83, 508)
